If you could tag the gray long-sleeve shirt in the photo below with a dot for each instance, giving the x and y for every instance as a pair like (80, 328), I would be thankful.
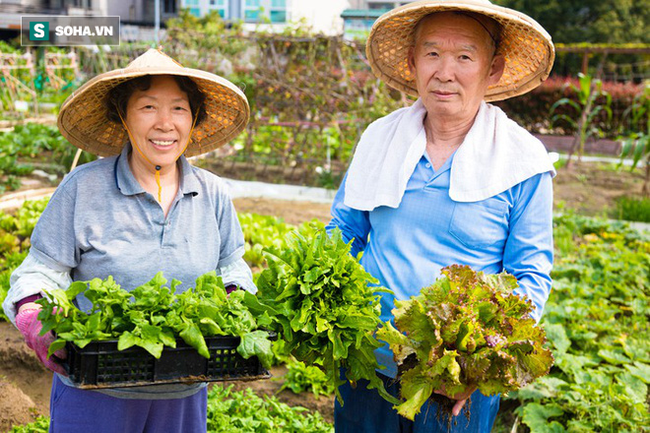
(101, 222)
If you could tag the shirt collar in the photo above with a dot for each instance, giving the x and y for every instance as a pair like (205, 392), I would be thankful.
(444, 167)
(128, 185)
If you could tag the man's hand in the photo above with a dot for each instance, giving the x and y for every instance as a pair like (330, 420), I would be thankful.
(460, 398)
(29, 325)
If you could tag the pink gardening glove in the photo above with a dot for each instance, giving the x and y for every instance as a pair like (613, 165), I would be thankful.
(28, 324)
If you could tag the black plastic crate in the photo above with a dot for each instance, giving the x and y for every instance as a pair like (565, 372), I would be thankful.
(101, 365)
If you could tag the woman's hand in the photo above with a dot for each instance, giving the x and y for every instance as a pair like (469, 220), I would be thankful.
(29, 325)
(460, 398)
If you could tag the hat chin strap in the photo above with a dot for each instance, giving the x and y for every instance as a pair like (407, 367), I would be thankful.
(157, 168)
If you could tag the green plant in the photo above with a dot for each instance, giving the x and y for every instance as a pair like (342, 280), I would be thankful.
(468, 330)
(245, 412)
(261, 231)
(300, 378)
(586, 108)
(15, 231)
(636, 144)
(32, 141)
(633, 209)
(324, 306)
(596, 321)
(41, 425)
(152, 316)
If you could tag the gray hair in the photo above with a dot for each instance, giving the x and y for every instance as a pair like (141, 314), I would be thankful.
(490, 25)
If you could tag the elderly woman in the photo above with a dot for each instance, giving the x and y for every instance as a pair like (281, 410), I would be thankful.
(140, 210)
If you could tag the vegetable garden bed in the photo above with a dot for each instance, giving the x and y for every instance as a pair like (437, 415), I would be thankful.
(596, 320)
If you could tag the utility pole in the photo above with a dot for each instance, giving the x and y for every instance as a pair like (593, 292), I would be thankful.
(157, 21)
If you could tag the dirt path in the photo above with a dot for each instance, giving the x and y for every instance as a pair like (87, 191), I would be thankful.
(24, 382)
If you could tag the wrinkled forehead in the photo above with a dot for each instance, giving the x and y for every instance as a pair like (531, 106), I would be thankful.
(458, 23)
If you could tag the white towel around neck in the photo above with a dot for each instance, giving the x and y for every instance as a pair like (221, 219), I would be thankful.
(496, 155)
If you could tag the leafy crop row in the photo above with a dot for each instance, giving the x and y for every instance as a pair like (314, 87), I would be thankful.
(15, 231)
(30, 142)
(245, 412)
(261, 231)
(597, 324)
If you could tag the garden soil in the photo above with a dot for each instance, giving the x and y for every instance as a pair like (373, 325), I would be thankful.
(25, 383)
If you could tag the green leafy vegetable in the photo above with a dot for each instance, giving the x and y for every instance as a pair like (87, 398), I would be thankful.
(41, 425)
(301, 377)
(152, 316)
(324, 306)
(245, 412)
(596, 321)
(466, 330)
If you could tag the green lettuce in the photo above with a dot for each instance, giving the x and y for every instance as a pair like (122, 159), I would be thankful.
(466, 330)
(324, 306)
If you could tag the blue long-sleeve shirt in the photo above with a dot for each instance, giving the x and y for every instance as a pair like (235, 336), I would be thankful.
(405, 248)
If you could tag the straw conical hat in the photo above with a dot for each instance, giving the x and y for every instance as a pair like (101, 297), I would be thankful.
(84, 122)
(526, 46)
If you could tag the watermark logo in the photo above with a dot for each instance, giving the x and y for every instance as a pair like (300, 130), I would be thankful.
(39, 31)
(61, 30)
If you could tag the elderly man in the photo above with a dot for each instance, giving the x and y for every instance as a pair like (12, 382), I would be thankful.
(449, 180)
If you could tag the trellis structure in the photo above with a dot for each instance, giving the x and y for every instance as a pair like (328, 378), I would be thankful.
(589, 50)
(13, 66)
(22, 77)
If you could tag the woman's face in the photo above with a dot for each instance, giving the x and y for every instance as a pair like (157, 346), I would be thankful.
(160, 120)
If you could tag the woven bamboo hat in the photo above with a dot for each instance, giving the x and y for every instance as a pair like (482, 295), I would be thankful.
(83, 120)
(526, 46)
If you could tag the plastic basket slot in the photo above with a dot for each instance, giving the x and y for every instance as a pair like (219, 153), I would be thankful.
(124, 366)
(222, 361)
(229, 363)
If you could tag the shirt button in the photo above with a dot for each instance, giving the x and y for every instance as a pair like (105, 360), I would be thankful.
(428, 165)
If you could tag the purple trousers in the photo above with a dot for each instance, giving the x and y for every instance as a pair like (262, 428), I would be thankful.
(75, 410)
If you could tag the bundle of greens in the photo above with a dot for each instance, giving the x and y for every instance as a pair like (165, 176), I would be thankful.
(323, 306)
(466, 330)
(153, 316)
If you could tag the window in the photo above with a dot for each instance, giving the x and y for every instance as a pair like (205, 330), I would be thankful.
(383, 5)
(278, 11)
(169, 7)
(193, 5)
(261, 10)
(219, 5)
(252, 9)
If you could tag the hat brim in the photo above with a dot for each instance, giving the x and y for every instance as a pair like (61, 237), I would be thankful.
(84, 122)
(528, 50)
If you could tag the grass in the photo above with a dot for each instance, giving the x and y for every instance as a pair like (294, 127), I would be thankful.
(633, 209)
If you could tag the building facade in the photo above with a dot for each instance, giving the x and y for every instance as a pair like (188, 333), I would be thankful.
(359, 17)
(331, 17)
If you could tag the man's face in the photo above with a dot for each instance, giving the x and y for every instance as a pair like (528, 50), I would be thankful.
(453, 63)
